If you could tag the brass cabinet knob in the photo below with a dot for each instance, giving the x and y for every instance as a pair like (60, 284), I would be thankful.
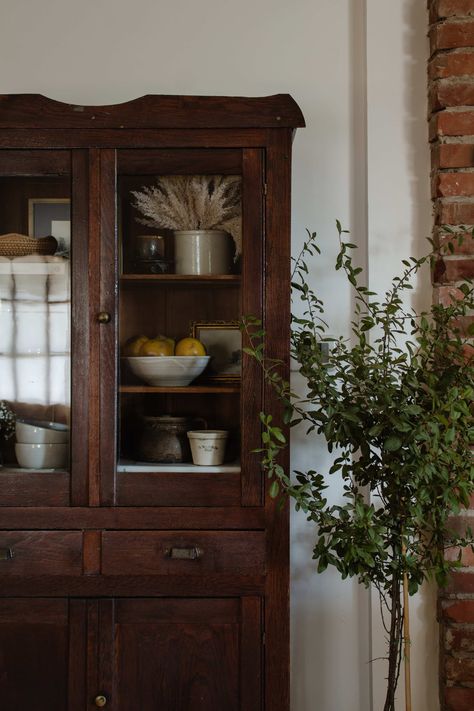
(100, 701)
(104, 317)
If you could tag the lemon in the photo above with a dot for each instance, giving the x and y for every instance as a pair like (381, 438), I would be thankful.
(133, 345)
(159, 346)
(190, 347)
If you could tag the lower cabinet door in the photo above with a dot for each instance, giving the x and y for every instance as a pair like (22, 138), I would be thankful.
(42, 654)
(178, 654)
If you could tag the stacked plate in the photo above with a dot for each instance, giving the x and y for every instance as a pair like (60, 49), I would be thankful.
(41, 445)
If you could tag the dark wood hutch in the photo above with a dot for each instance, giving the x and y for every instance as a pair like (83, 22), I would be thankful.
(102, 601)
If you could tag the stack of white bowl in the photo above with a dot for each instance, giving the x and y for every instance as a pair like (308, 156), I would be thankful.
(41, 445)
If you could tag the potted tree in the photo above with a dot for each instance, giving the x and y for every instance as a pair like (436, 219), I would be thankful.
(398, 416)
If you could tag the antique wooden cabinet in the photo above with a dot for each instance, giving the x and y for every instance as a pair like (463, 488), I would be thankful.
(131, 584)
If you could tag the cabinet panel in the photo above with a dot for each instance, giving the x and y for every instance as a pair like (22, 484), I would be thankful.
(42, 658)
(183, 553)
(40, 553)
(184, 655)
(42, 238)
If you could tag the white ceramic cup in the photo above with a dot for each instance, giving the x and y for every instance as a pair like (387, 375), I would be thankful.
(208, 446)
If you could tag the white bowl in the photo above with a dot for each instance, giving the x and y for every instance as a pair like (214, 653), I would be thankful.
(41, 456)
(167, 370)
(39, 432)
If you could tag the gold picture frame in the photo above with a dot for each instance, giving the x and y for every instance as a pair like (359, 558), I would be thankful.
(223, 342)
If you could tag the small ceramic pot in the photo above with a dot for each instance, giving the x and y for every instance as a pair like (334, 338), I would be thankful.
(163, 439)
(208, 446)
(203, 252)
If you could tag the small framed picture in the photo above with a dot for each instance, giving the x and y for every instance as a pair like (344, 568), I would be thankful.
(51, 216)
(223, 342)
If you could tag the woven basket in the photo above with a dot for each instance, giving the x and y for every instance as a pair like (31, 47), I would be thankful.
(15, 245)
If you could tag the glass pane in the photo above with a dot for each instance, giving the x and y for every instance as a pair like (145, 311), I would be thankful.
(180, 304)
(35, 321)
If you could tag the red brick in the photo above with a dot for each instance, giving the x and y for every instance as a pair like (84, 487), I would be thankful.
(446, 93)
(449, 8)
(453, 155)
(456, 270)
(459, 639)
(461, 583)
(456, 213)
(458, 699)
(451, 64)
(452, 123)
(467, 555)
(458, 610)
(446, 295)
(459, 669)
(451, 34)
(453, 185)
(468, 351)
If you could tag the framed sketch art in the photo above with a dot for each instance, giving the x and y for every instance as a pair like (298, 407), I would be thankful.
(223, 342)
(51, 216)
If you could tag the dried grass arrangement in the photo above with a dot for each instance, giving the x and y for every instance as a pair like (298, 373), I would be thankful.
(193, 202)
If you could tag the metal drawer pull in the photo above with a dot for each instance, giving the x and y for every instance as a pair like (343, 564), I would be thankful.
(100, 701)
(184, 553)
(6, 553)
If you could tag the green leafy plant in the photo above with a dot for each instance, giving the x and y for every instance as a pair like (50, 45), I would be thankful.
(395, 405)
(7, 421)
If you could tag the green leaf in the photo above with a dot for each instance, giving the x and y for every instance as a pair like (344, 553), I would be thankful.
(392, 444)
(274, 489)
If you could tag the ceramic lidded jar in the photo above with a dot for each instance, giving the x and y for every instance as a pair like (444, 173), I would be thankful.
(203, 252)
(164, 439)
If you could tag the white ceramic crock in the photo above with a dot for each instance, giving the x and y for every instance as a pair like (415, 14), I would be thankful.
(208, 446)
(203, 252)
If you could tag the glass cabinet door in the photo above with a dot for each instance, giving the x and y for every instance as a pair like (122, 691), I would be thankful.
(190, 238)
(35, 327)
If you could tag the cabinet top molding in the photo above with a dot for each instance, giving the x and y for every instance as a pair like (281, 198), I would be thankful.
(152, 111)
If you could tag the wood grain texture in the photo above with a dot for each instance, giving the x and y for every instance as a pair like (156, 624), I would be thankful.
(77, 655)
(34, 163)
(91, 586)
(80, 331)
(91, 552)
(177, 654)
(200, 489)
(251, 653)
(33, 655)
(216, 517)
(93, 364)
(149, 553)
(277, 326)
(144, 138)
(251, 304)
(180, 161)
(41, 553)
(36, 111)
(34, 489)
(108, 332)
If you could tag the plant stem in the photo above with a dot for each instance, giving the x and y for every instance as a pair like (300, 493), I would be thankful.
(395, 641)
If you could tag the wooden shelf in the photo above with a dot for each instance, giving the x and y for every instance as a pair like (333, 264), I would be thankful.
(187, 389)
(129, 466)
(217, 279)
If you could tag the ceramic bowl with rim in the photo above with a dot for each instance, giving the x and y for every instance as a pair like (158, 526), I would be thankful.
(41, 432)
(41, 456)
(167, 370)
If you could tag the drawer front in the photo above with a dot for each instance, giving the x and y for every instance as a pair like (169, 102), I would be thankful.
(40, 553)
(183, 552)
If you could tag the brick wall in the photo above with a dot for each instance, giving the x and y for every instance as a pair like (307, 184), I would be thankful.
(451, 106)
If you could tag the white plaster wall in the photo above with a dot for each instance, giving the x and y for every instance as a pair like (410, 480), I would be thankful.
(330, 55)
